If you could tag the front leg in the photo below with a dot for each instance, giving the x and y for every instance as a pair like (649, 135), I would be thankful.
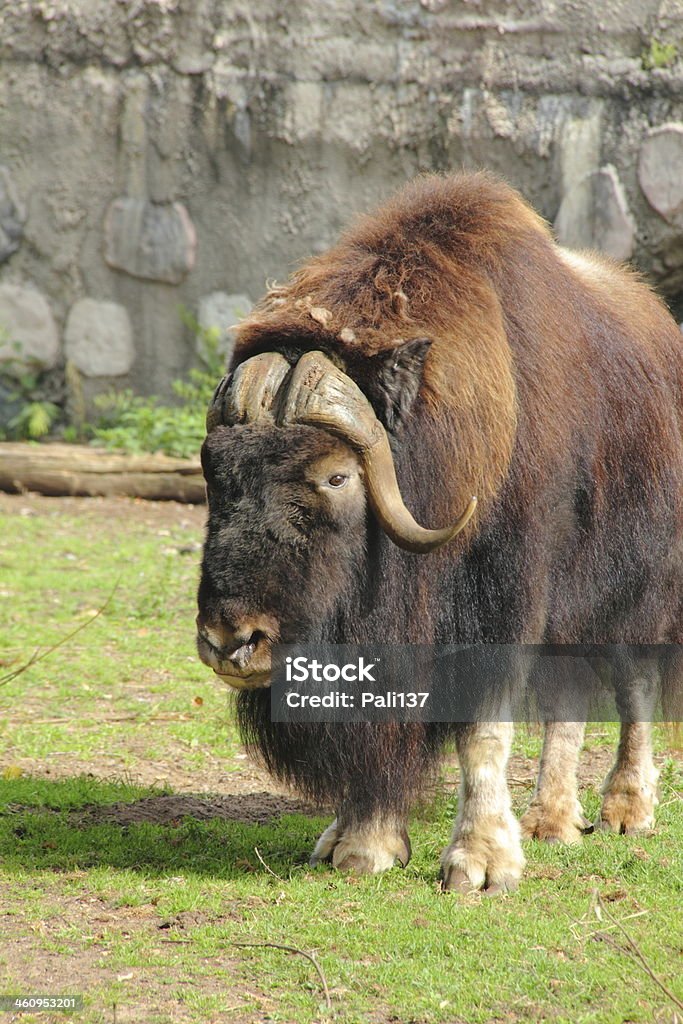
(485, 851)
(365, 848)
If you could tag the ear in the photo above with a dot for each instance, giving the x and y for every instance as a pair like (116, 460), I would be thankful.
(395, 380)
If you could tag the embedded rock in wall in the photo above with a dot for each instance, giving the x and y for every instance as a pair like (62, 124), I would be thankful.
(28, 335)
(12, 217)
(660, 171)
(594, 214)
(222, 312)
(156, 241)
(98, 338)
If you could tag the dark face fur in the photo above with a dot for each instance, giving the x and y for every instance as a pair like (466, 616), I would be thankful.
(285, 537)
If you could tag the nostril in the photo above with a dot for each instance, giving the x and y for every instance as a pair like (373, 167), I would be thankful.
(222, 641)
(242, 655)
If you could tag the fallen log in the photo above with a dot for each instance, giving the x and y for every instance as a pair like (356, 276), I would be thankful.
(77, 470)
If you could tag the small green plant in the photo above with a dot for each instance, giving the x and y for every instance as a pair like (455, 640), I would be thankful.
(208, 344)
(24, 389)
(33, 421)
(659, 55)
(134, 423)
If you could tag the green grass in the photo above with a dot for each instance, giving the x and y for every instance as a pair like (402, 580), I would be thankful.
(146, 917)
(134, 666)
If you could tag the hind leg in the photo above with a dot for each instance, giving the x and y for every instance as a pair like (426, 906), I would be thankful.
(555, 814)
(629, 794)
(561, 687)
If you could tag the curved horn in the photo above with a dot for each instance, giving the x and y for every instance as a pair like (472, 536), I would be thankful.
(321, 395)
(248, 394)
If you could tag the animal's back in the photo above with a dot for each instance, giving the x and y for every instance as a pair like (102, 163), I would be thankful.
(598, 363)
(627, 578)
(596, 469)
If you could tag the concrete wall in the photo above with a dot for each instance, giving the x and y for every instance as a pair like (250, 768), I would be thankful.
(157, 152)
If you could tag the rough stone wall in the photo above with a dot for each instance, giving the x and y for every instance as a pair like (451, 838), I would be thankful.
(155, 153)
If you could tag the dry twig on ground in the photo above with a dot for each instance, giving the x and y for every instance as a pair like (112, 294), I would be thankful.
(37, 656)
(300, 952)
(632, 950)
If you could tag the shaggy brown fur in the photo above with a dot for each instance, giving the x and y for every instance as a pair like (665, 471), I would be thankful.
(550, 385)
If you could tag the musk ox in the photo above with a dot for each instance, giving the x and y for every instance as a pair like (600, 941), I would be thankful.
(447, 348)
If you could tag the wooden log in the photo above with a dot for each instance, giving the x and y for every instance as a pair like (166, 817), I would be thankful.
(65, 469)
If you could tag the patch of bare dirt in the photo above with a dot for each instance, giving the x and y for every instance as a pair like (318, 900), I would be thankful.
(88, 943)
(154, 514)
(225, 788)
(217, 777)
(249, 808)
(144, 991)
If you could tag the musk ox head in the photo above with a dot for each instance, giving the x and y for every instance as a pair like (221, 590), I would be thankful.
(293, 457)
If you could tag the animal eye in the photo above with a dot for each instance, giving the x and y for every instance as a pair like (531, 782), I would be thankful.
(338, 480)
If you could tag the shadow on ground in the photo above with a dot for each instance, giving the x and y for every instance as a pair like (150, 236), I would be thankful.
(156, 834)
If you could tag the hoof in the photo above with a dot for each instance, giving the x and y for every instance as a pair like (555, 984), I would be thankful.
(456, 880)
(623, 821)
(506, 885)
(362, 851)
(628, 805)
(555, 825)
(488, 859)
(324, 848)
